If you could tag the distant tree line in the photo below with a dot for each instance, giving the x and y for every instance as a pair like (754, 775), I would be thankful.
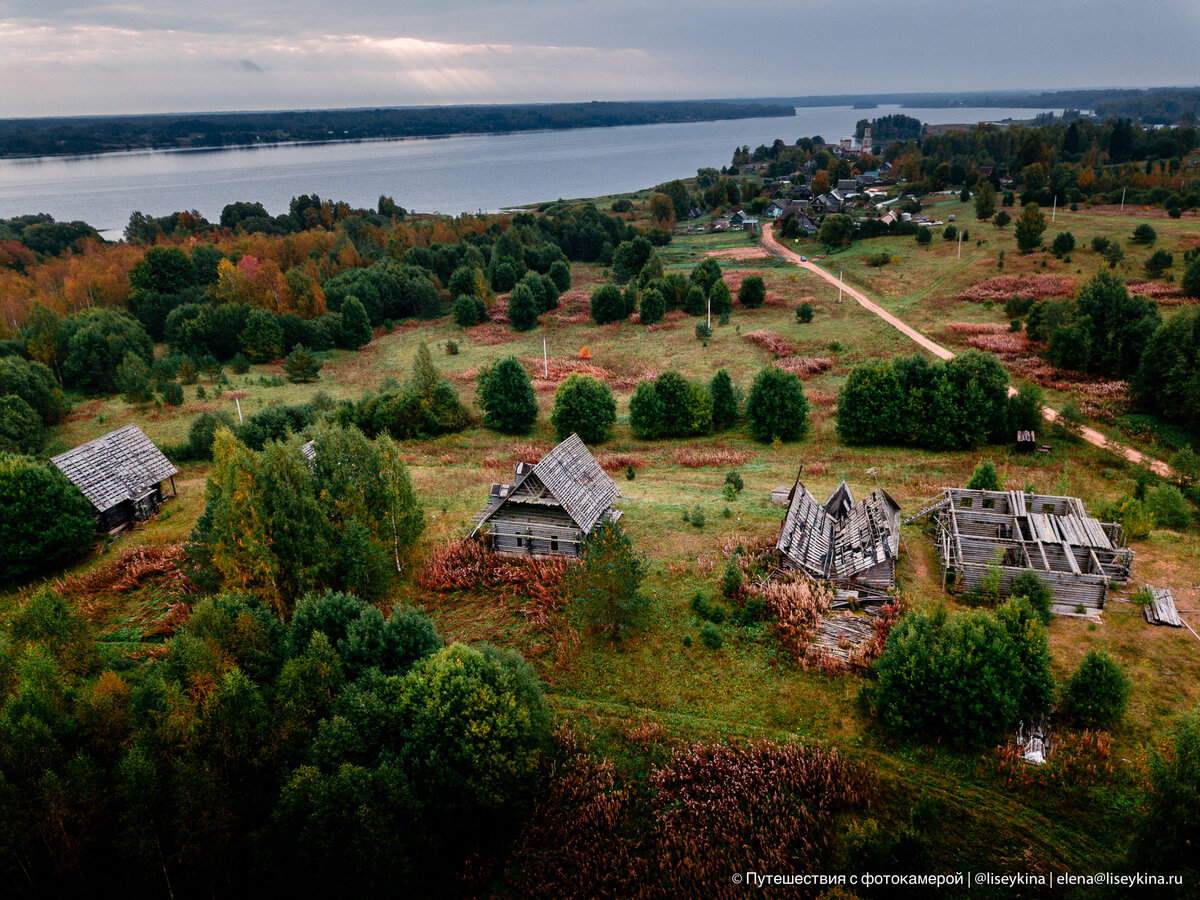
(87, 134)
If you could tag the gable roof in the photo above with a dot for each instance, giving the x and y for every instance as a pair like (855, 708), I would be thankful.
(120, 466)
(839, 539)
(572, 477)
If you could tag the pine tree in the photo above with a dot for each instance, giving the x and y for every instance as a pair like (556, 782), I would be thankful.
(607, 304)
(753, 292)
(560, 272)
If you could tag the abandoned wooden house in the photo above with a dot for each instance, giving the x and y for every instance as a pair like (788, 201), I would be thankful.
(1010, 531)
(852, 544)
(121, 474)
(551, 507)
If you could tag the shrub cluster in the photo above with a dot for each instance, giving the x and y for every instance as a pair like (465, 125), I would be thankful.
(938, 405)
(966, 677)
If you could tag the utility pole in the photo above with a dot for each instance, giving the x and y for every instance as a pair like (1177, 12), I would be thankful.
(1123, 199)
(545, 360)
(1054, 209)
(960, 245)
(710, 314)
(241, 421)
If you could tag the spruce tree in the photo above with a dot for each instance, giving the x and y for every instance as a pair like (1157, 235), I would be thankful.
(719, 298)
(133, 379)
(753, 292)
(777, 408)
(301, 365)
(262, 337)
(724, 400)
(507, 397)
(653, 306)
(645, 412)
(355, 330)
(585, 406)
(523, 308)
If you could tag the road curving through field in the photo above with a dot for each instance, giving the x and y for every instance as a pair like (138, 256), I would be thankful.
(1088, 434)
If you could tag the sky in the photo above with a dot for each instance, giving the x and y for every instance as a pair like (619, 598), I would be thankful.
(78, 57)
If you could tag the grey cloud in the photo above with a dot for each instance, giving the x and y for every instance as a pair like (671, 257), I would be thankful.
(307, 54)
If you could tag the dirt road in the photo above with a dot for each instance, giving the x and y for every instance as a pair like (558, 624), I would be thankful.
(1088, 434)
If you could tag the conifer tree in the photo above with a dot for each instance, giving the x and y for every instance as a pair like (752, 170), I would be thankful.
(507, 397)
(355, 330)
(301, 365)
(724, 400)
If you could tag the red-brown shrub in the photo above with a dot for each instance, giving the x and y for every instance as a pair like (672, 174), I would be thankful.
(804, 366)
(771, 341)
(1004, 287)
(468, 565)
(697, 459)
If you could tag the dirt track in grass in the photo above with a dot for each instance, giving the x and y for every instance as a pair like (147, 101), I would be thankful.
(1088, 434)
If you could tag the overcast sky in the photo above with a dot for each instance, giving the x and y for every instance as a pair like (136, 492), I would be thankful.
(70, 57)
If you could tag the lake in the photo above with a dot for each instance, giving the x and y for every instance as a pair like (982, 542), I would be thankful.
(465, 173)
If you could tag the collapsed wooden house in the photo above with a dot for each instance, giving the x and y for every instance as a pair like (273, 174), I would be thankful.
(121, 475)
(551, 507)
(1074, 553)
(852, 544)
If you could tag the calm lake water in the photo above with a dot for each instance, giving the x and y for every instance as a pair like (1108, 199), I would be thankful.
(449, 175)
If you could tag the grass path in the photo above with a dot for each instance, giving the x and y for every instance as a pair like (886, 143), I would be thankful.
(1088, 434)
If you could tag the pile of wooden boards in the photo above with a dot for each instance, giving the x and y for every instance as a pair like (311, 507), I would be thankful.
(1161, 610)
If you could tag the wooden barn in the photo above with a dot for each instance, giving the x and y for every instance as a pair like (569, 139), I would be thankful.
(852, 544)
(1075, 554)
(550, 507)
(121, 474)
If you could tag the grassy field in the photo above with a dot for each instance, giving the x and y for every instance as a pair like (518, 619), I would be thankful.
(748, 686)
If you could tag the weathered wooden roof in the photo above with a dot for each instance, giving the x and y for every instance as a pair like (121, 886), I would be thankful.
(572, 478)
(806, 536)
(839, 539)
(120, 466)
